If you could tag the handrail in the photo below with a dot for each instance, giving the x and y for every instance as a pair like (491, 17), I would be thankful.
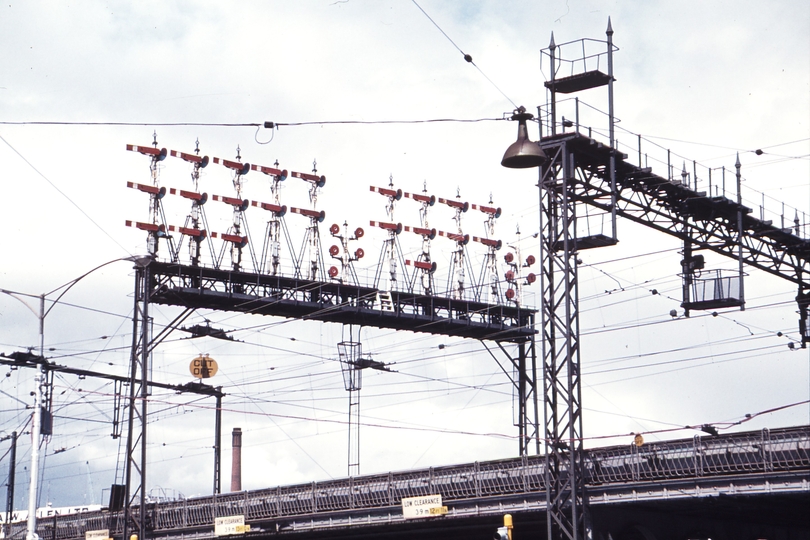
(760, 452)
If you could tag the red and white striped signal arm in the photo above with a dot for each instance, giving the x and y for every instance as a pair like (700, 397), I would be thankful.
(319, 181)
(459, 238)
(430, 200)
(271, 171)
(240, 241)
(238, 204)
(314, 214)
(158, 192)
(151, 151)
(278, 209)
(395, 194)
(194, 233)
(396, 228)
(463, 206)
(489, 242)
(428, 233)
(238, 166)
(151, 227)
(429, 266)
(199, 198)
(202, 161)
(491, 210)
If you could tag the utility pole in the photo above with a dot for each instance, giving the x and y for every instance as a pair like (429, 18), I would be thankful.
(36, 428)
(11, 472)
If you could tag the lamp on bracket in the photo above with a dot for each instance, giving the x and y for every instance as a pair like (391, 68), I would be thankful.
(523, 153)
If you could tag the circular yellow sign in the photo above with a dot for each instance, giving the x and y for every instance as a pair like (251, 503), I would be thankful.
(203, 367)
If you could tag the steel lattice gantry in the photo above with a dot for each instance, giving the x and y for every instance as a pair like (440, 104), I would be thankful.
(578, 172)
(581, 172)
(705, 222)
(510, 327)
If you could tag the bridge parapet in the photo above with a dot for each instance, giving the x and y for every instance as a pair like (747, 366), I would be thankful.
(756, 457)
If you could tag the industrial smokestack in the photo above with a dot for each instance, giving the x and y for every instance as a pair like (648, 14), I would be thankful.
(236, 463)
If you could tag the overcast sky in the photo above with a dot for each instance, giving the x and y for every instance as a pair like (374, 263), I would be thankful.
(706, 80)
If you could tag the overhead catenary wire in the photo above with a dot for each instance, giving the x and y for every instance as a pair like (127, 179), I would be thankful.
(63, 194)
(468, 58)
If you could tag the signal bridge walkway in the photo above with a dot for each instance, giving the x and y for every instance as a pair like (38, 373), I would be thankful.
(762, 466)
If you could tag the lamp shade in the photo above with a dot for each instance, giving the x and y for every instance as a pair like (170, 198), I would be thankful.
(523, 153)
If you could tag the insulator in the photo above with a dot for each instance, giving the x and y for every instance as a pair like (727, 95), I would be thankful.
(531, 278)
(359, 232)
(530, 260)
(359, 253)
(333, 271)
(510, 294)
(509, 257)
(334, 250)
(510, 276)
(334, 229)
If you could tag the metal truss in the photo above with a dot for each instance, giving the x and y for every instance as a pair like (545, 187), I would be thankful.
(138, 393)
(198, 287)
(581, 171)
(705, 222)
(669, 206)
(565, 492)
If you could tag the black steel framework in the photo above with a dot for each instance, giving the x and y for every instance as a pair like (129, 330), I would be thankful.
(194, 287)
(210, 288)
(582, 172)
(566, 498)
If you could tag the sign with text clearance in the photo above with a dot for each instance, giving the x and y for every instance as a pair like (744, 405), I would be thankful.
(421, 507)
(100, 534)
(228, 525)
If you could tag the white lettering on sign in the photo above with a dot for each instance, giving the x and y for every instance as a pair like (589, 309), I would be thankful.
(425, 506)
(228, 525)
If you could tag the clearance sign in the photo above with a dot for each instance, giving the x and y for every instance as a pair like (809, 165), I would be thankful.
(421, 507)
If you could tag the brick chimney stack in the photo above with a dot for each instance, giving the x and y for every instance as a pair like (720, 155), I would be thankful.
(236, 462)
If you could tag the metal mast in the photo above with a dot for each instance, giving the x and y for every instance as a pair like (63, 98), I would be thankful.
(565, 486)
(138, 394)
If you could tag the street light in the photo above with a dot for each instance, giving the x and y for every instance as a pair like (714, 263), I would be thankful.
(39, 381)
(523, 153)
